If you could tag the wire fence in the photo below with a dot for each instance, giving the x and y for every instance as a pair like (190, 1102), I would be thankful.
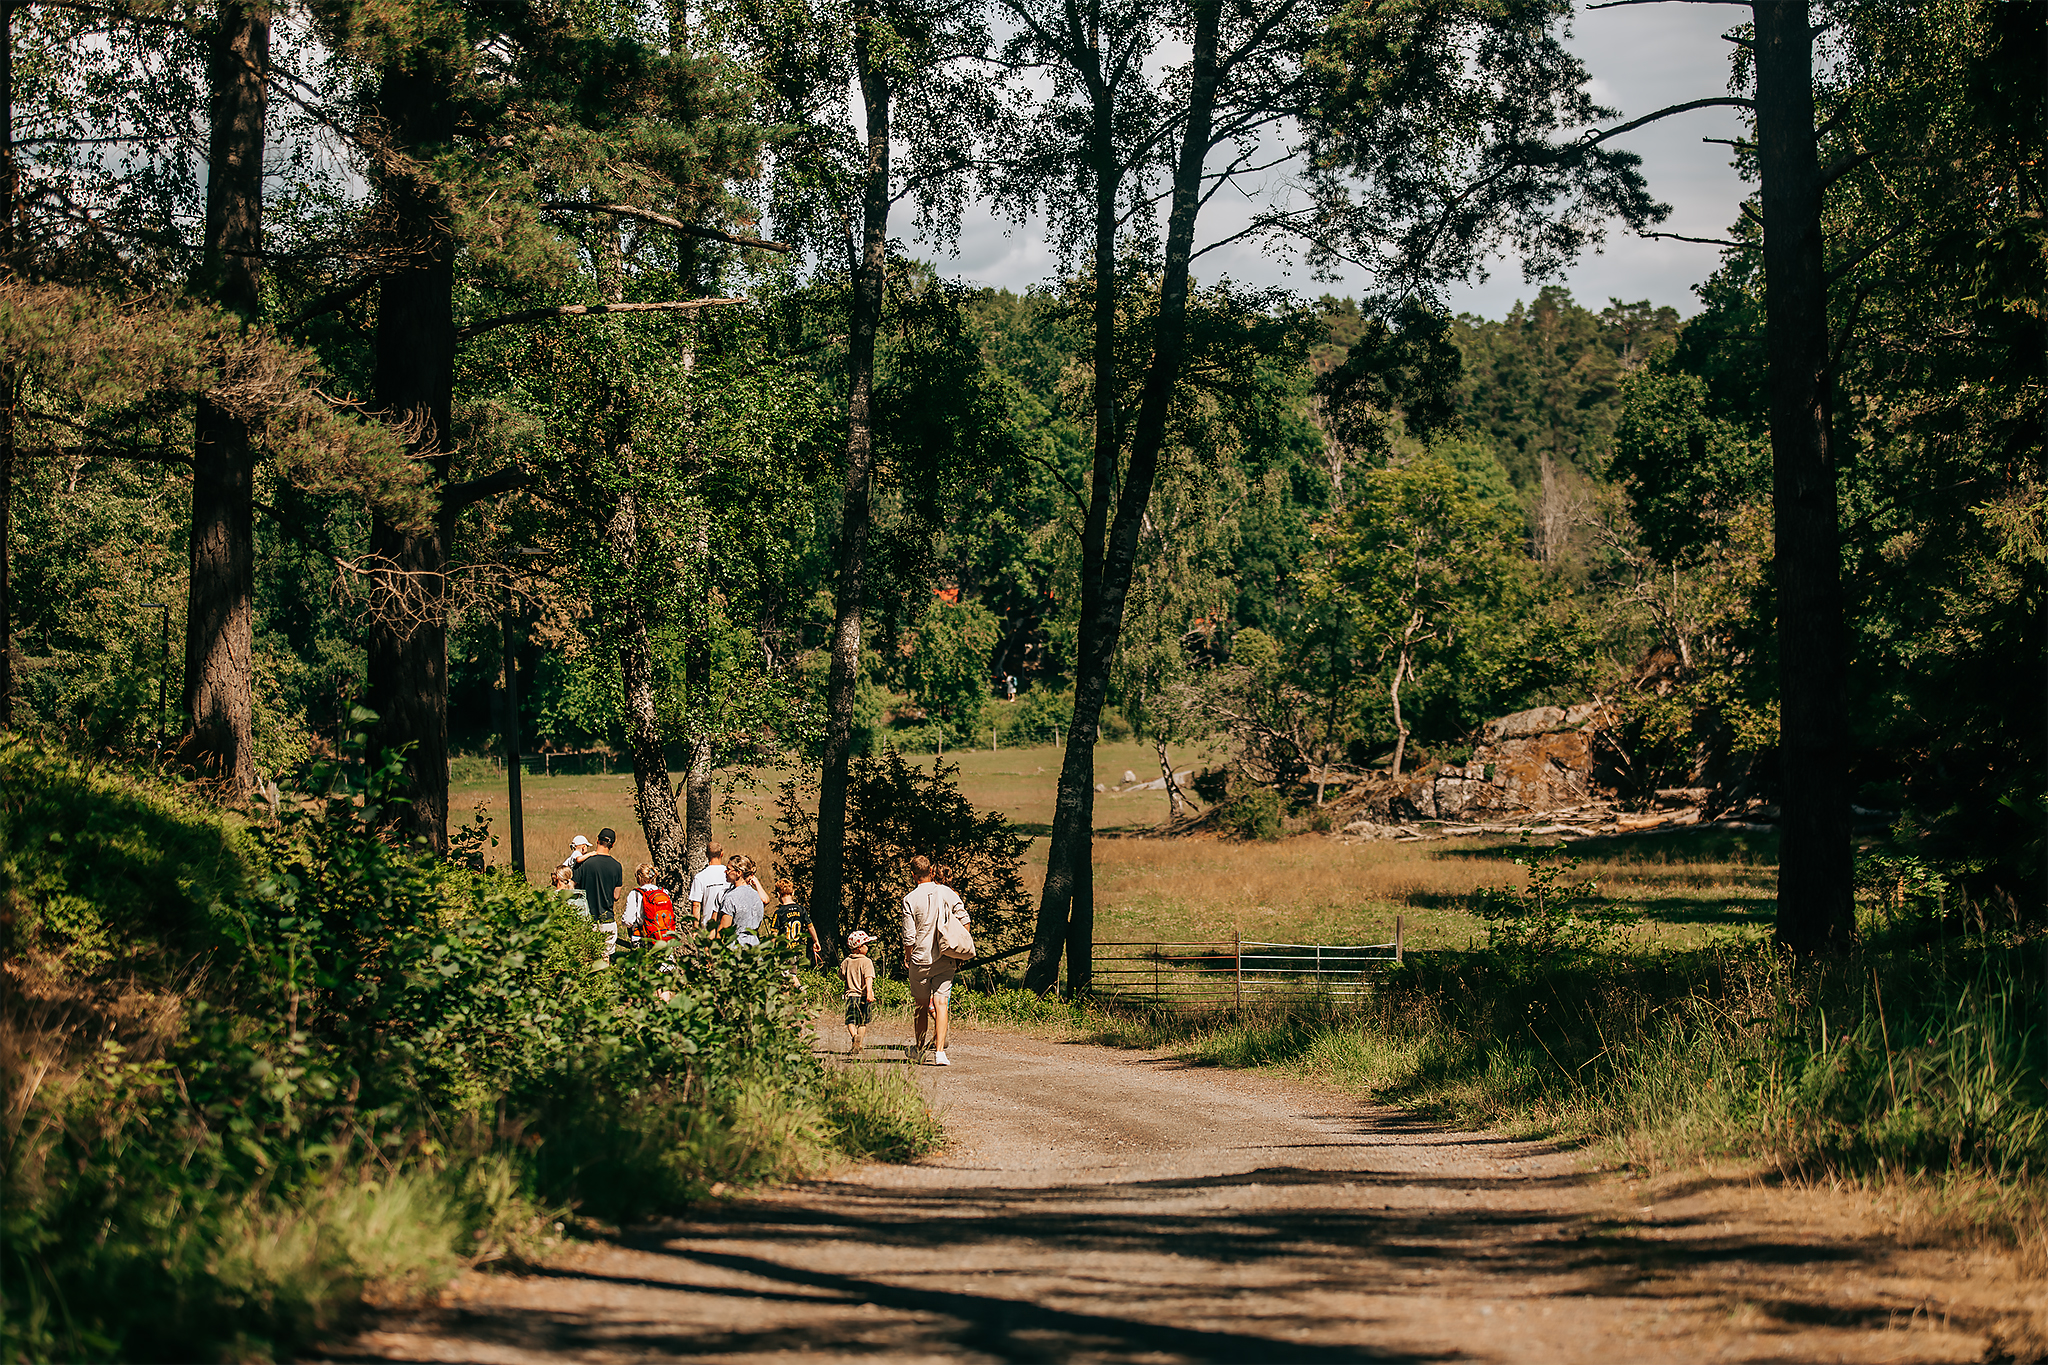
(1199, 976)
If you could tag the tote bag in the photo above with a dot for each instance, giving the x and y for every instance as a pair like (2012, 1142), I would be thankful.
(953, 939)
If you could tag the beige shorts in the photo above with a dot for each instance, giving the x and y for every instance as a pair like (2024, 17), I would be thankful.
(934, 982)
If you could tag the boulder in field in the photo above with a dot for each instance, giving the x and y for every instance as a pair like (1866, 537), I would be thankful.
(1535, 760)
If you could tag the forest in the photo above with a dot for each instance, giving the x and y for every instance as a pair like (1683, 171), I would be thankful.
(364, 366)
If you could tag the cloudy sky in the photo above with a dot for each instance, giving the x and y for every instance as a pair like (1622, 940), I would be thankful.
(1642, 58)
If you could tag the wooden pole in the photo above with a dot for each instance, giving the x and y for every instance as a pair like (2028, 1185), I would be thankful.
(1240, 970)
(512, 793)
(1397, 938)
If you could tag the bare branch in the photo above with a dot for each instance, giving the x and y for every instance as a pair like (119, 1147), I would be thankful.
(1848, 267)
(1703, 241)
(327, 303)
(455, 497)
(1717, 101)
(585, 310)
(1617, 4)
(1843, 167)
(662, 220)
(1061, 476)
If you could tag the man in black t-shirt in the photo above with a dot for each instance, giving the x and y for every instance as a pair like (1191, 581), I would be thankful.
(599, 878)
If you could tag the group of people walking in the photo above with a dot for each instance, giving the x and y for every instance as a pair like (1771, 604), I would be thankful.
(727, 894)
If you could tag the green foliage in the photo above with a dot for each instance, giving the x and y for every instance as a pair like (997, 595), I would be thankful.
(1251, 811)
(267, 1067)
(1543, 388)
(1040, 716)
(1418, 570)
(878, 1113)
(100, 875)
(893, 813)
(1903, 889)
(1937, 407)
(1552, 917)
(1687, 473)
(948, 670)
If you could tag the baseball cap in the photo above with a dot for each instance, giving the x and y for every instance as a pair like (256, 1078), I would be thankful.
(579, 839)
(858, 937)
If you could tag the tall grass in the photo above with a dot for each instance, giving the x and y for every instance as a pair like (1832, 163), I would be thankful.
(1926, 1065)
(877, 1111)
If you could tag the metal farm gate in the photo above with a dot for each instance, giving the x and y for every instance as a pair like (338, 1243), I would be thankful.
(1242, 972)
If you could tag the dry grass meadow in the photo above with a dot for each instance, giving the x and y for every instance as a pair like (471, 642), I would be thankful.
(1309, 888)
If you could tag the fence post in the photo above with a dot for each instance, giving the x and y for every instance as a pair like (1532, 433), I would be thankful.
(1240, 970)
(1397, 938)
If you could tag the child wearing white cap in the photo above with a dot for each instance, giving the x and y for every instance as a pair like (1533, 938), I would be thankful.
(579, 849)
(858, 972)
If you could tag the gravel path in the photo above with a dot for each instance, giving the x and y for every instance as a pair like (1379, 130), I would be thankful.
(1097, 1205)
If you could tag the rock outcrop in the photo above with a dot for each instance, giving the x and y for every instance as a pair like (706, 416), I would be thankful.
(1536, 760)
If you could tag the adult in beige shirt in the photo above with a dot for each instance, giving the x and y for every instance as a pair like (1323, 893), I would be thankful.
(931, 972)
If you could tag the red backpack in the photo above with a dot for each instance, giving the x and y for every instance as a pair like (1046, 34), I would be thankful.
(657, 913)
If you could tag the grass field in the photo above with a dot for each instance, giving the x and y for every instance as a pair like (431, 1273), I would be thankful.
(1691, 885)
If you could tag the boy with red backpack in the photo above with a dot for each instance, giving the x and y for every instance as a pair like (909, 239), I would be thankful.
(650, 910)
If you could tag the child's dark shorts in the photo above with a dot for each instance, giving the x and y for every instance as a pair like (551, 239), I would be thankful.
(860, 1011)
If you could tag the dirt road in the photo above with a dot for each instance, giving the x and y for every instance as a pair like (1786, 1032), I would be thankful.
(1110, 1206)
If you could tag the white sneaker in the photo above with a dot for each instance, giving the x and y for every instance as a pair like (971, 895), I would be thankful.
(939, 1059)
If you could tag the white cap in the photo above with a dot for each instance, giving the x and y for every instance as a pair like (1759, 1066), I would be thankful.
(859, 937)
(579, 839)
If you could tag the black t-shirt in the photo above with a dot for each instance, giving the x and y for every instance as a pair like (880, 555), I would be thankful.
(791, 916)
(599, 877)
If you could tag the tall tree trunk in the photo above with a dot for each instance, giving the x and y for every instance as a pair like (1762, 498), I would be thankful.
(697, 652)
(9, 381)
(697, 688)
(1066, 909)
(1067, 900)
(414, 385)
(1816, 907)
(869, 278)
(220, 666)
(7, 394)
(654, 797)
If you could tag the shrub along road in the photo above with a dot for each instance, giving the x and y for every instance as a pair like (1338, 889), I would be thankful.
(1105, 1205)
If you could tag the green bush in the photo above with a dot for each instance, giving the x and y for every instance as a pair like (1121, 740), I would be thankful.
(265, 1067)
(102, 876)
(1011, 1005)
(1552, 917)
(894, 812)
(1253, 812)
(1040, 716)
